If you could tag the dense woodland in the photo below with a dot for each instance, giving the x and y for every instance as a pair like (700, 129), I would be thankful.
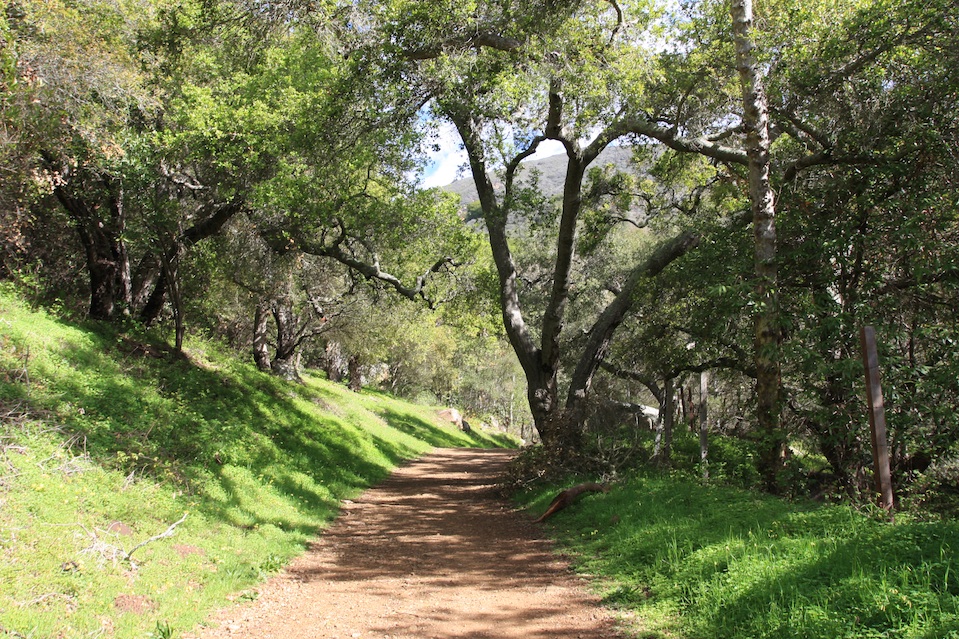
(251, 170)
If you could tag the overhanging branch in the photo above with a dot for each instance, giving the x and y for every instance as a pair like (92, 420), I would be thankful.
(371, 269)
(479, 40)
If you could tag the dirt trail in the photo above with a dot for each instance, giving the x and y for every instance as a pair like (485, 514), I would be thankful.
(429, 554)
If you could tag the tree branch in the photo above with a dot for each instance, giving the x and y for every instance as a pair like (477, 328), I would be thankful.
(372, 271)
(701, 145)
(479, 40)
(597, 342)
(166, 533)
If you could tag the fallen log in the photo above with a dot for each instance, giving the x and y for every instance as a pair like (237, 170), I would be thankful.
(566, 497)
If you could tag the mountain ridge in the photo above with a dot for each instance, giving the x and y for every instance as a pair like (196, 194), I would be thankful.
(552, 174)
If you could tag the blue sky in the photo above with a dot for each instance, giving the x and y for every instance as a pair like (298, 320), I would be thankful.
(449, 163)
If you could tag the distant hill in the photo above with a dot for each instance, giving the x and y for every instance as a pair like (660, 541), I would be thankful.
(552, 172)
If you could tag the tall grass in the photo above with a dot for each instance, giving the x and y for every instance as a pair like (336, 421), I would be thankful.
(683, 560)
(108, 438)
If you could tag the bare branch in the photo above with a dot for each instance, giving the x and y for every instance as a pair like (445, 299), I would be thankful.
(371, 269)
(479, 40)
(619, 20)
(166, 533)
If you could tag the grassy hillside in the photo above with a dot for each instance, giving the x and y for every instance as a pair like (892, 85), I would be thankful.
(683, 560)
(108, 439)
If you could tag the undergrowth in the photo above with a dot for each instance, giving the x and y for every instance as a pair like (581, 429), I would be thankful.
(682, 559)
(109, 439)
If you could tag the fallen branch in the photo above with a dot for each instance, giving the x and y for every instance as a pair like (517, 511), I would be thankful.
(166, 533)
(568, 496)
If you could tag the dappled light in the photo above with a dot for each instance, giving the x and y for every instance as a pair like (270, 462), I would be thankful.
(430, 552)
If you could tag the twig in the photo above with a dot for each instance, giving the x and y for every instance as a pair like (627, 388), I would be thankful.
(166, 533)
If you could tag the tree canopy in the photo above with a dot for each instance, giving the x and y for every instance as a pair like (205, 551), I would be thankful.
(254, 170)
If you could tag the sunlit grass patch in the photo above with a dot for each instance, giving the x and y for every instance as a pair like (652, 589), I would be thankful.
(693, 561)
(108, 439)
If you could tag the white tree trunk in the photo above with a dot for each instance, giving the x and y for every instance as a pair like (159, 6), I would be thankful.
(767, 332)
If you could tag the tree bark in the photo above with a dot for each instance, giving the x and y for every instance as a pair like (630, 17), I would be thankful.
(285, 360)
(333, 361)
(669, 416)
(767, 334)
(704, 423)
(107, 262)
(356, 377)
(261, 346)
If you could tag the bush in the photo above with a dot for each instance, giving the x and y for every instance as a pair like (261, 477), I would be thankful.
(937, 489)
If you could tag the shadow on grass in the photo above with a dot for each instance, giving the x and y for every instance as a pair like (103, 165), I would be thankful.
(739, 565)
(446, 436)
(256, 450)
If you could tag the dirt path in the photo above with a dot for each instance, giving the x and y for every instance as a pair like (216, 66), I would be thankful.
(428, 554)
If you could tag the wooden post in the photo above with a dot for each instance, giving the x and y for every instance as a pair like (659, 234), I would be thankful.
(877, 417)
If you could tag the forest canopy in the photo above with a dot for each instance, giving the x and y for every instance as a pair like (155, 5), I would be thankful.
(253, 170)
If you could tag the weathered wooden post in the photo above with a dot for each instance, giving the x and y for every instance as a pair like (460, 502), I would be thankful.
(877, 418)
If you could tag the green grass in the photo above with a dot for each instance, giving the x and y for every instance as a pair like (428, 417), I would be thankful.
(96, 430)
(687, 561)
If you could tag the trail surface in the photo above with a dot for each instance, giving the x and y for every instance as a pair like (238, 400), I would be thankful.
(431, 553)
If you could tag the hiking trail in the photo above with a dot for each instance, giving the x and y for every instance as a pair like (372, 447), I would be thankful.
(430, 553)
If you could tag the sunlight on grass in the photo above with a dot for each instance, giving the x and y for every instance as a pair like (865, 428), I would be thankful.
(105, 443)
(683, 560)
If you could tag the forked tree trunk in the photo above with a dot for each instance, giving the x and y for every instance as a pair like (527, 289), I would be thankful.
(766, 343)
(558, 422)
(102, 240)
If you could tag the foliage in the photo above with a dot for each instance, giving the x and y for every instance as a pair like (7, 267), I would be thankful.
(102, 426)
(289, 137)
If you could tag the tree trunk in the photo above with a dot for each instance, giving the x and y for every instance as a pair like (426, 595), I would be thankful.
(333, 361)
(147, 272)
(286, 368)
(172, 277)
(704, 423)
(261, 346)
(356, 376)
(154, 305)
(284, 362)
(669, 416)
(106, 257)
(767, 337)
(559, 424)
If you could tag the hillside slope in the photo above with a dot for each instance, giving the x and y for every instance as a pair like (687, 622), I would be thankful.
(110, 440)
(551, 173)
